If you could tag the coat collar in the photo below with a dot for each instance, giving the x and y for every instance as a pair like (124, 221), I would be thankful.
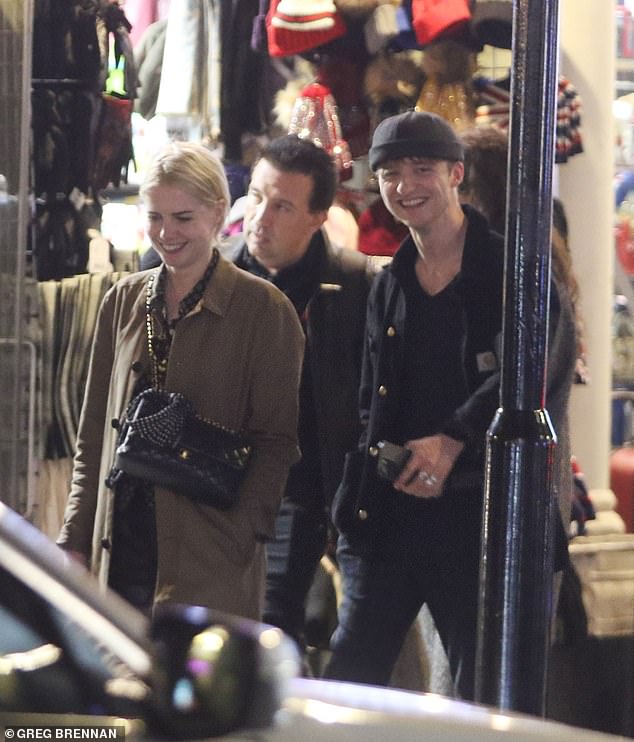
(218, 292)
(220, 289)
(326, 258)
(480, 251)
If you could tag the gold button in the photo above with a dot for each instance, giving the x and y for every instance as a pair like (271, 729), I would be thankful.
(391, 331)
(363, 514)
(382, 390)
(183, 453)
(373, 451)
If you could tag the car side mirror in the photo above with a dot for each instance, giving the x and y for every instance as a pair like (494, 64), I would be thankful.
(218, 673)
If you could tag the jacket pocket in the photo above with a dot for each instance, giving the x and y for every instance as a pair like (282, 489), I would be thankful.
(347, 494)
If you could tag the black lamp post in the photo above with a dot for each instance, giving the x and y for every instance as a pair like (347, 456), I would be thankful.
(517, 553)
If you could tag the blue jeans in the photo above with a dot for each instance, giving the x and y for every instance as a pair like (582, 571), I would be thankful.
(382, 596)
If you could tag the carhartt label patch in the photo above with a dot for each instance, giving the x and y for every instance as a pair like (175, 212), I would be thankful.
(486, 361)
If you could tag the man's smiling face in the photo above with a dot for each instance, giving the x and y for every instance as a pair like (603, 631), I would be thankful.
(418, 190)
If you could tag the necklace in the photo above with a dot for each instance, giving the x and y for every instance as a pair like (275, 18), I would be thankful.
(437, 273)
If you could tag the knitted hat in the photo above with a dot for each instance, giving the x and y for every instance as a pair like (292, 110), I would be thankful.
(433, 18)
(414, 134)
(315, 117)
(295, 26)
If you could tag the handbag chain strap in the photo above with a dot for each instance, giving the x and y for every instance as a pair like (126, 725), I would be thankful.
(155, 363)
(149, 328)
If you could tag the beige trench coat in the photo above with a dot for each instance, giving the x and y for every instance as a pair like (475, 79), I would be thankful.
(237, 356)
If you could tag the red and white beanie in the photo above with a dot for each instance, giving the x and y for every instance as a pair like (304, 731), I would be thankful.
(295, 26)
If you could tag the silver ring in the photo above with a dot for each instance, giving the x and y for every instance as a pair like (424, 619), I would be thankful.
(429, 480)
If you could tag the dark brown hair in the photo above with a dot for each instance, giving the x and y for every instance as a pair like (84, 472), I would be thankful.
(485, 165)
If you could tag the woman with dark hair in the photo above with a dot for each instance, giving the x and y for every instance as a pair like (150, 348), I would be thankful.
(484, 187)
(484, 184)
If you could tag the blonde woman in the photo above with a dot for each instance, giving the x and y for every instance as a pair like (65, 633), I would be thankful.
(232, 345)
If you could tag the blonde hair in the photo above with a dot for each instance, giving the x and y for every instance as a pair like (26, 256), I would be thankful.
(192, 167)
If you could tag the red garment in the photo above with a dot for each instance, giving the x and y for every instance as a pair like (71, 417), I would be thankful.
(293, 26)
(432, 18)
(315, 117)
(379, 232)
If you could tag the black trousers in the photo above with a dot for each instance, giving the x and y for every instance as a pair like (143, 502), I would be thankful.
(292, 558)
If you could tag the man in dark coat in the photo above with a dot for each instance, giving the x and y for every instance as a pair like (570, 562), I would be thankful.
(430, 384)
(292, 186)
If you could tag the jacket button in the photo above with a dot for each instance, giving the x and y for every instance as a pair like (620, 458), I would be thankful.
(137, 367)
(382, 390)
(105, 544)
(373, 451)
(390, 332)
(363, 514)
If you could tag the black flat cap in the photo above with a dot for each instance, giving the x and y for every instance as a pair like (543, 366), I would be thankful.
(414, 134)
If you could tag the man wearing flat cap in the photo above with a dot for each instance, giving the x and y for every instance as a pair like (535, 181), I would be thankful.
(430, 384)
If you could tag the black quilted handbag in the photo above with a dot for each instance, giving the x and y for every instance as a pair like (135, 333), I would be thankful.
(162, 441)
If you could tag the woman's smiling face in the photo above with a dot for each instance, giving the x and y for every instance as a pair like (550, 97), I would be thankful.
(181, 228)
